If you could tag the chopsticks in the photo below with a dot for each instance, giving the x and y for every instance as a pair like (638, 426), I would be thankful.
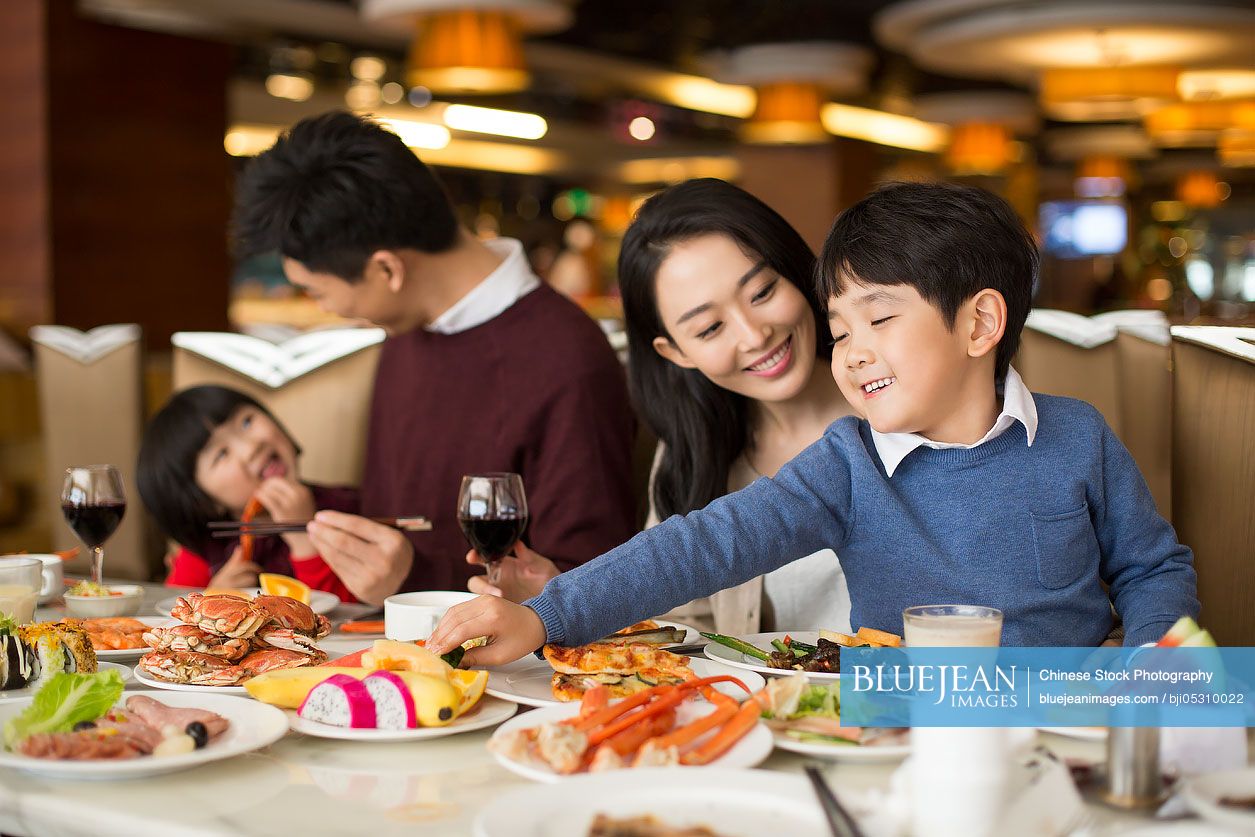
(261, 528)
(839, 820)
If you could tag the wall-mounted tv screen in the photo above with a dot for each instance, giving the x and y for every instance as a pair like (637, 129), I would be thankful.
(1080, 229)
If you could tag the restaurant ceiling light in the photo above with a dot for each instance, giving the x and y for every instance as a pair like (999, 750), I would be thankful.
(1201, 190)
(471, 46)
(295, 87)
(1198, 124)
(1219, 83)
(425, 135)
(505, 123)
(883, 128)
(1106, 94)
(983, 124)
(368, 68)
(704, 94)
(792, 81)
(1102, 176)
(642, 129)
(246, 140)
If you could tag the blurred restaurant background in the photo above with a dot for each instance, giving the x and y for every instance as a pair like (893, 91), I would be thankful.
(1122, 131)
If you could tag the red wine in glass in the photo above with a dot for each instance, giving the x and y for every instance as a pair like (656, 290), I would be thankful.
(93, 503)
(492, 511)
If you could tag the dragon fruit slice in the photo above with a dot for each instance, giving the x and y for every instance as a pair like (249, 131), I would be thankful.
(341, 701)
(394, 704)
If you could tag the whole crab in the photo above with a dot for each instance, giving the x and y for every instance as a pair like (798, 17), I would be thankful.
(293, 615)
(198, 640)
(222, 615)
(190, 667)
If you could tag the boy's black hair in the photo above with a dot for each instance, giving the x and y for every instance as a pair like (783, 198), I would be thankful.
(166, 470)
(946, 241)
(333, 190)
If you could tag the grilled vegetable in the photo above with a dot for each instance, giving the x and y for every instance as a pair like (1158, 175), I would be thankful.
(737, 645)
(649, 636)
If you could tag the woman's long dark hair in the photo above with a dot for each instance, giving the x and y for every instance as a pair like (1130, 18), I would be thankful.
(704, 427)
(166, 470)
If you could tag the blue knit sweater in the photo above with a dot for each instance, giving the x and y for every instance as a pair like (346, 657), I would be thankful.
(1033, 531)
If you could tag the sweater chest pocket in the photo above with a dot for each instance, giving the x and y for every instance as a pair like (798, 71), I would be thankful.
(1066, 546)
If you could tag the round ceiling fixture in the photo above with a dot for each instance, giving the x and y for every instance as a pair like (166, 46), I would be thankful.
(468, 46)
(792, 82)
(984, 124)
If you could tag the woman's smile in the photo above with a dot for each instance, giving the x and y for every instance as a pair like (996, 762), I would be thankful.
(775, 363)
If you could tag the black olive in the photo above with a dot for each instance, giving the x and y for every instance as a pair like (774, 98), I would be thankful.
(198, 733)
(82, 725)
(445, 713)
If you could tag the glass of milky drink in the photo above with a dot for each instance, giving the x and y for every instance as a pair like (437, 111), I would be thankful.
(952, 626)
(958, 774)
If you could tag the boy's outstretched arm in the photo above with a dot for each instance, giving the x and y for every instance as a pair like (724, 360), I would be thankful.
(804, 508)
(1150, 573)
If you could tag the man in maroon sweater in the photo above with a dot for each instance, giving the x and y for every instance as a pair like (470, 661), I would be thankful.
(485, 368)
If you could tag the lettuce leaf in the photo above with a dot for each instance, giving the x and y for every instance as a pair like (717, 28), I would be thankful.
(65, 700)
(819, 701)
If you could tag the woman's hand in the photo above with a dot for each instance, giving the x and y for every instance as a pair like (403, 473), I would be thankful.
(513, 631)
(522, 574)
(371, 559)
(287, 499)
(236, 572)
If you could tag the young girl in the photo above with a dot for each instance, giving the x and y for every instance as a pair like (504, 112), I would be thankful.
(729, 366)
(203, 457)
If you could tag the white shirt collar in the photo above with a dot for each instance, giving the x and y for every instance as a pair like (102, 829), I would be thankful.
(511, 281)
(1017, 405)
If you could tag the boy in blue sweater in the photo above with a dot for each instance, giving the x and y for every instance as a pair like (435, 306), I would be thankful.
(955, 486)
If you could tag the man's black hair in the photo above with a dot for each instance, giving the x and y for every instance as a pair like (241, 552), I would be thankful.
(946, 241)
(336, 188)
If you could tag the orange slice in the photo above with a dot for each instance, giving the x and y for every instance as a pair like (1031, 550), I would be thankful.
(470, 687)
(273, 584)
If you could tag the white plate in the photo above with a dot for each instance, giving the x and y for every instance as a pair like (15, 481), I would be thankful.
(29, 691)
(529, 681)
(153, 683)
(319, 600)
(724, 654)
(749, 751)
(1079, 733)
(253, 725)
(734, 802)
(1203, 794)
(853, 753)
(132, 654)
(488, 712)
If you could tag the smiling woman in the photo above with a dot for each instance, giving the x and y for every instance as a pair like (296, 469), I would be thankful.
(722, 327)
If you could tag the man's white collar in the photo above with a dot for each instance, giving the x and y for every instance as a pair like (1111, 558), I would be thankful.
(1017, 405)
(511, 281)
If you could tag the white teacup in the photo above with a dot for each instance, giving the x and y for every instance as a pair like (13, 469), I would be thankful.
(411, 616)
(53, 582)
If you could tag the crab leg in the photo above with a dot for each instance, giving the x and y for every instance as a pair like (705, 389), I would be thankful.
(741, 723)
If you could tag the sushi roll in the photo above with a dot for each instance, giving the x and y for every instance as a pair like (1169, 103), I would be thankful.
(394, 705)
(58, 648)
(19, 666)
(340, 701)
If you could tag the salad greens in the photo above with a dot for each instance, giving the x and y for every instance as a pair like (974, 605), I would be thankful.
(820, 702)
(65, 700)
(7, 625)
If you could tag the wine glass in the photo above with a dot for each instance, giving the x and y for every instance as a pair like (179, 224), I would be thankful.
(93, 503)
(492, 511)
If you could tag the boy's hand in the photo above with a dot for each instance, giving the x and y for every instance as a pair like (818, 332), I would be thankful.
(513, 631)
(236, 572)
(287, 499)
(371, 559)
(522, 575)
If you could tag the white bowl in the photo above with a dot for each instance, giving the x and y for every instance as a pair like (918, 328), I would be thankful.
(97, 607)
(411, 616)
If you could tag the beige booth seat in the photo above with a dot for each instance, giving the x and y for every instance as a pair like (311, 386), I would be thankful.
(91, 409)
(1120, 363)
(1214, 471)
(318, 384)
